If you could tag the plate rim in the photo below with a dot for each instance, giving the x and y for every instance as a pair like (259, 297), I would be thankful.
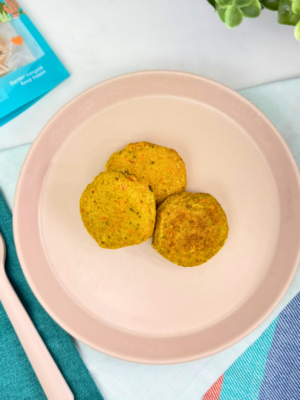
(18, 239)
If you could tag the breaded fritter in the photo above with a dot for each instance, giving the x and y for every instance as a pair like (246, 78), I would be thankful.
(160, 167)
(118, 210)
(190, 228)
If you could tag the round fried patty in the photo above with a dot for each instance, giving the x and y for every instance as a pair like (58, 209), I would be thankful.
(118, 210)
(160, 167)
(190, 228)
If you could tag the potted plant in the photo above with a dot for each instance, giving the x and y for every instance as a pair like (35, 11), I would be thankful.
(232, 12)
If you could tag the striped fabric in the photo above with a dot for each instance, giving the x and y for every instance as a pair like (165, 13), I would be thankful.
(270, 368)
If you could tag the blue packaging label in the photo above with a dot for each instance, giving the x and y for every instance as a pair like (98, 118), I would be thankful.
(28, 66)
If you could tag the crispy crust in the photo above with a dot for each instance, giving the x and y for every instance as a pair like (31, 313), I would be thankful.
(160, 167)
(190, 228)
(118, 210)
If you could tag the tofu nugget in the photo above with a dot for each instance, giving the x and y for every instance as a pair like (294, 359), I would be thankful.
(160, 167)
(190, 228)
(118, 210)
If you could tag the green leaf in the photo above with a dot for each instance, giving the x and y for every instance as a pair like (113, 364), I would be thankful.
(242, 3)
(233, 16)
(296, 6)
(4, 17)
(224, 3)
(297, 31)
(221, 11)
(253, 10)
(286, 15)
(212, 2)
(270, 4)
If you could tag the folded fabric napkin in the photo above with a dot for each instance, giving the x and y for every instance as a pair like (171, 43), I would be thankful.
(266, 346)
(270, 368)
(17, 378)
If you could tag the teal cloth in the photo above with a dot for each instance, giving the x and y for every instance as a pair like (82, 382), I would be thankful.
(17, 378)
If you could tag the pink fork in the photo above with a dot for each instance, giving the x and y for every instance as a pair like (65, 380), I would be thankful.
(47, 372)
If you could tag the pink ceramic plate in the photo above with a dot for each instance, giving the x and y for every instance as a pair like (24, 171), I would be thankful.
(132, 303)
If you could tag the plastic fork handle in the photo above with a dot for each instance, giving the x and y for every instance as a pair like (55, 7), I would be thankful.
(47, 372)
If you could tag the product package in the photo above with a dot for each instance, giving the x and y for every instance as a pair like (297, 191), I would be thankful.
(28, 67)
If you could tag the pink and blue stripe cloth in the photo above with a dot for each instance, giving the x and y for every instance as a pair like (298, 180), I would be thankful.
(270, 368)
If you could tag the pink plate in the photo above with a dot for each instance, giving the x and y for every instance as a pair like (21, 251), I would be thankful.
(132, 303)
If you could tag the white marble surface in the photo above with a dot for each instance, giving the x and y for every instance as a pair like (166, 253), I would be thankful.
(99, 39)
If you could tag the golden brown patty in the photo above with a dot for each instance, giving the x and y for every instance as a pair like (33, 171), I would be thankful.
(160, 167)
(118, 210)
(190, 228)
